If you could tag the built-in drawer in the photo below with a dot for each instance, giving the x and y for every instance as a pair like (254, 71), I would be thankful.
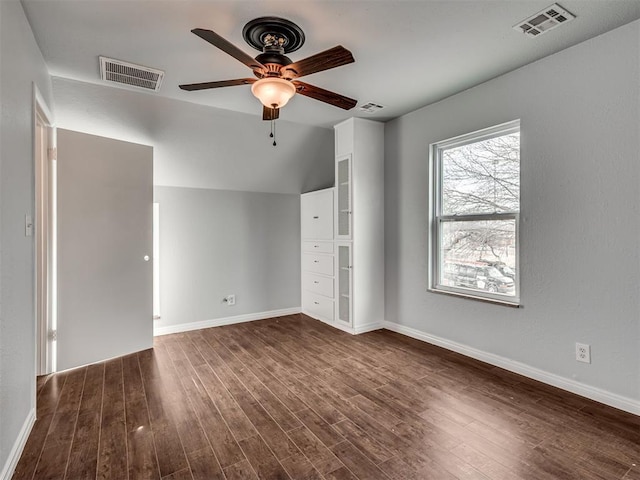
(317, 263)
(317, 247)
(317, 284)
(317, 306)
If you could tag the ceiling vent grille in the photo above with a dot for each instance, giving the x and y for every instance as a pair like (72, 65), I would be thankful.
(124, 73)
(543, 21)
(370, 107)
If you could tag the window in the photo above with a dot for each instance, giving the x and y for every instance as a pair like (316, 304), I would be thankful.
(475, 207)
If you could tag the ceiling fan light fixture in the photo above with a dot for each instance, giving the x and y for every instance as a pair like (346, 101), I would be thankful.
(273, 92)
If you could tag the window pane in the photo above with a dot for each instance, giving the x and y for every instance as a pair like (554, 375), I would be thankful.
(482, 177)
(479, 255)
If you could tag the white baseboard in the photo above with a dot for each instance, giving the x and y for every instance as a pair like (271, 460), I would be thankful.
(368, 327)
(217, 322)
(617, 401)
(18, 446)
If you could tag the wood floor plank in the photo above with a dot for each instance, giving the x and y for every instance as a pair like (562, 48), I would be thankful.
(320, 456)
(268, 428)
(112, 450)
(220, 437)
(342, 473)
(321, 429)
(367, 444)
(291, 397)
(632, 474)
(240, 471)
(204, 465)
(229, 408)
(83, 459)
(184, 474)
(356, 462)
(179, 406)
(141, 454)
(262, 459)
(299, 467)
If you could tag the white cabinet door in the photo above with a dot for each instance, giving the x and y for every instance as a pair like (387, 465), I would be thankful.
(344, 209)
(345, 283)
(316, 210)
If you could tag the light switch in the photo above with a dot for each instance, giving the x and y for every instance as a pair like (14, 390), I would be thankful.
(28, 226)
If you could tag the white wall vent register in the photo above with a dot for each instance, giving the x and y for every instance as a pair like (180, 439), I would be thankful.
(543, 21)
(371, 107)
(124, 73)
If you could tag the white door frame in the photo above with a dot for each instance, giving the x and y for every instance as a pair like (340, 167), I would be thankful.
(44, 153)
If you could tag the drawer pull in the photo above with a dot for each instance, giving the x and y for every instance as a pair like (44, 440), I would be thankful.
(317, 303)
(316, 217)
(316, 246)
(316, 282)
(316, 261)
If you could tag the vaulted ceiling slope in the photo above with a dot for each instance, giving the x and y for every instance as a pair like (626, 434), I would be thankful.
(409, 53)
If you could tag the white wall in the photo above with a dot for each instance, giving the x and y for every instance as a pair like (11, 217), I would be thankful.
(580, 275)
(22, 64)
(215, 243)
(201, 147)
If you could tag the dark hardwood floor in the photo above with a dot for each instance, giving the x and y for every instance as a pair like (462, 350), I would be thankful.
(293, 398)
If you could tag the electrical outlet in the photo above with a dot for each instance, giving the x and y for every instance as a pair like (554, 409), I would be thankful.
(583, 352)
(230, 300)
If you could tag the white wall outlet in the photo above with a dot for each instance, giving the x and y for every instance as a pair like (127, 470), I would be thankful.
(230, 300)
(583, 352)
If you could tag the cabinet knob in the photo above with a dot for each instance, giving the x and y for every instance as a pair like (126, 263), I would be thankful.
(316, 246)
(317, 303)
(316, 261)
(316, 282)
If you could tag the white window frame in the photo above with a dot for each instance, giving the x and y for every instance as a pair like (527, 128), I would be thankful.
(436, 219)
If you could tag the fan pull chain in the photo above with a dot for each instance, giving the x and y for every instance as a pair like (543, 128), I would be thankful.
(273, 132)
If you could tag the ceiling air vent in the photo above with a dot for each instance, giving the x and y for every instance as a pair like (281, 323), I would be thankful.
(543, 21)
(124, 73)
(370, 107)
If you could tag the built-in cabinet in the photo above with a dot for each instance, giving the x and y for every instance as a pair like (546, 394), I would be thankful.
(359, 150)
(318, 263)
(354, 286)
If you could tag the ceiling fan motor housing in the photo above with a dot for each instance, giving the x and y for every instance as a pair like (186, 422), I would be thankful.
(273, 57)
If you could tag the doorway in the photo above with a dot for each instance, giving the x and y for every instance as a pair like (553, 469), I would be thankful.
(43, 227)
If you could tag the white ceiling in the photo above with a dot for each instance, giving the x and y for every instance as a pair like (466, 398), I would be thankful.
(408, 53)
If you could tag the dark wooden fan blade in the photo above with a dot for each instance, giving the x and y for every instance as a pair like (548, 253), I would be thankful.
(325, 96)
(228, 47)
(332, 58)
(222, 83)
(270, 113)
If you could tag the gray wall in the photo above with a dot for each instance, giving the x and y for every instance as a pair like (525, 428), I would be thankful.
(215, 243)
(201, 147)
(214, 158)
(580, 216)
(22, 64)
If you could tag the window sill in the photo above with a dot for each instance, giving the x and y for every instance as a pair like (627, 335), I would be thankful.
(469, 296)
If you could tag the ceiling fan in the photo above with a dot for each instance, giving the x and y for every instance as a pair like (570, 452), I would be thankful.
(276, 74)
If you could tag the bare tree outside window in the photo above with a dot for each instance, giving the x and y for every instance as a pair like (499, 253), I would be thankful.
(477, 207)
